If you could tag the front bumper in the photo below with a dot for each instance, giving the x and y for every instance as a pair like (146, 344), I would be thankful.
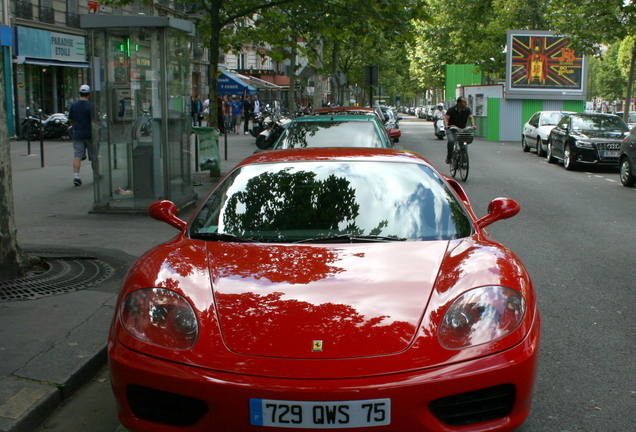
(159, 396)
(596, 156)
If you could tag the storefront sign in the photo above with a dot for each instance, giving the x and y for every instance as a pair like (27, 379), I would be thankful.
(42, 44)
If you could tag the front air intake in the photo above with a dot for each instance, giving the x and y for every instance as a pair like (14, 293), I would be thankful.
(476, 406)
(165, 407)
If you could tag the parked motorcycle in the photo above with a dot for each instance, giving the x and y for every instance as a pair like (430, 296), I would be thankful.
(440, 130)
(274, 126)
(255, 125)
(40, 126)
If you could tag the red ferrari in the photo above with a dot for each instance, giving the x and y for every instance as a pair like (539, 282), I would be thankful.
(327, 288)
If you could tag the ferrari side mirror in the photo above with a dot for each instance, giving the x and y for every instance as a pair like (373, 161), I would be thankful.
(498, 209)
(166, 211)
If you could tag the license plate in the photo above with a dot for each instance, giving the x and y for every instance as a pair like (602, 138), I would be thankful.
(606, 154)
(320, 415)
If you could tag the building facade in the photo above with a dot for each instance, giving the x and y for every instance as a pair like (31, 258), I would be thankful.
(48, 58)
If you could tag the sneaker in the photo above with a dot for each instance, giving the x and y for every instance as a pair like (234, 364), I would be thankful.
(77, 181)
(247, 133)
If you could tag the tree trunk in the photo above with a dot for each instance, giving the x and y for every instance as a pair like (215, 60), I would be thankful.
(291, 93)
(318, 75)
(215, 33)
(335, 62)
(13, 262)
(630, 80)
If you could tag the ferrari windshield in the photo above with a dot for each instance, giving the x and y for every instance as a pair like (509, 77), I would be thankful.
(331, 201)
(331, 133)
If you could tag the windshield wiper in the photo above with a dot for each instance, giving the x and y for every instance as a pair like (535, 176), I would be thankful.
(224, 237)
(351, 238)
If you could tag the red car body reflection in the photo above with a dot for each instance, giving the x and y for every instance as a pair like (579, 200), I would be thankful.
(309, 329)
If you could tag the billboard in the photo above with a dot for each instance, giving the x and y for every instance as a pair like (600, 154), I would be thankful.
(542, 65)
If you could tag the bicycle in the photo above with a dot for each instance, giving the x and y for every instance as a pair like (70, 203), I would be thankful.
(459, 157)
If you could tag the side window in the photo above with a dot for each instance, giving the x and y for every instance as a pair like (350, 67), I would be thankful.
(534, 121)
(564, 123)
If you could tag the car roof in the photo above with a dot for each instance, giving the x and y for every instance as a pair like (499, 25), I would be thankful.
(591, 115)
(335, 154)
(337, 117)
(343, 109)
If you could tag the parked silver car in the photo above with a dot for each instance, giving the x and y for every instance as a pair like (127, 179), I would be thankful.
(537, 129)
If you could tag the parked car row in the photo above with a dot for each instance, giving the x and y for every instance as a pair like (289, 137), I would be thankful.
(579, 139)
(425, 112)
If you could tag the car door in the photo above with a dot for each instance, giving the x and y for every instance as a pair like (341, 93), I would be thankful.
(630, 149)
(531, 128)
(559, 136)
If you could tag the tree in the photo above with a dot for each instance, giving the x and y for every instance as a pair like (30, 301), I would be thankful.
(606, 79)
(446, 38)
(340, 37)
(219, 21)
(590, 23)
(13, 261)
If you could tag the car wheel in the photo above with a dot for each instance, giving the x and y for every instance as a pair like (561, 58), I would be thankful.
(551, 159)
(540, 151)
(627, 178)
(568, 159)
(524, 144)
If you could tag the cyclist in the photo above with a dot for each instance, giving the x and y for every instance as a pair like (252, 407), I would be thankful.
(457, 115)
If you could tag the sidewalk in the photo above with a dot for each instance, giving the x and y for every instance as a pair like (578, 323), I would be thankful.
(53, 344)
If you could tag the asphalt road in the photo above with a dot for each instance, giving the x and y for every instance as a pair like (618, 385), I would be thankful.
(576, 235)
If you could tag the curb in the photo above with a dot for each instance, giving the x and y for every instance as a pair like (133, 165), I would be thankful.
(34, 391)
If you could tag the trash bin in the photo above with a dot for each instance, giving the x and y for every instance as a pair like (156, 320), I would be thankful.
(208, 142)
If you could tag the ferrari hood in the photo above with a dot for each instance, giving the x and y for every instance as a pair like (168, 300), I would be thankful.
(319, 302)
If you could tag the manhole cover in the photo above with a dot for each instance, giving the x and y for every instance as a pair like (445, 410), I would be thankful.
(63, 275)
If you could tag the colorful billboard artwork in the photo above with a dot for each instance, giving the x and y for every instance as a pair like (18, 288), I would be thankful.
(545, 62)
(541, 62)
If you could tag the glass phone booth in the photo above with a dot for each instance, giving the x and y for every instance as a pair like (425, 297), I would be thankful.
(140, 69)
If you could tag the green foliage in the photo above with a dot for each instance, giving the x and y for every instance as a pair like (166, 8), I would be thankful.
(605, 78)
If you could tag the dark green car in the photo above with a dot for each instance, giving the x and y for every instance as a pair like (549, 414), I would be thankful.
(334, 131)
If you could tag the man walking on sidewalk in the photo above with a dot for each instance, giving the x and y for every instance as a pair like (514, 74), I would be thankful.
(80, 116)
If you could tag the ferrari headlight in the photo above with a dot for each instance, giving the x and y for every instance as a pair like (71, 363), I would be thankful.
(584, 144)
(481, 315)
(160, 317)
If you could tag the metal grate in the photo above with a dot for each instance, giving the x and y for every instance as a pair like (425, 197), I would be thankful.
(476, 406)
(63, 275)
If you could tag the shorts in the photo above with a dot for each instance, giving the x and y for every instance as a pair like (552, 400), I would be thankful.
(82, 147)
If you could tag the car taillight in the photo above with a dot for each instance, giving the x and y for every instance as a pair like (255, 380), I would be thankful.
(481, 315)
(160, 317)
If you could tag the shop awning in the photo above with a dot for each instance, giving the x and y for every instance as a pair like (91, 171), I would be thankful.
(259, 83)
(51, 62)
(228, 83)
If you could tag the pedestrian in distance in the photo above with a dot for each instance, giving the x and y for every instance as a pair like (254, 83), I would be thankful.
(237, 114)
(247, 110)
(220, 114)
(227, 112)
(457, 115)
(79, 115)
(256, 105)
(197, 110)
